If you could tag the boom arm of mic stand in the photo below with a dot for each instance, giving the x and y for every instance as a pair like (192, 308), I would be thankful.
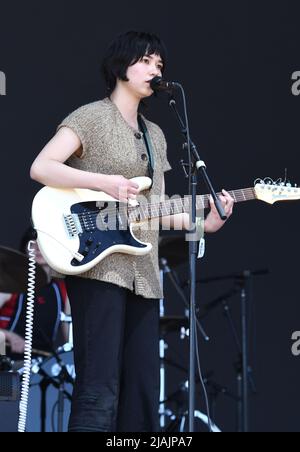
(199, 163)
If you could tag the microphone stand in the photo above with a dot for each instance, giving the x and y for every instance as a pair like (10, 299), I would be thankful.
(196, 165)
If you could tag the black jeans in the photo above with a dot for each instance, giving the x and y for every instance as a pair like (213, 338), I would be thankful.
(116, 352)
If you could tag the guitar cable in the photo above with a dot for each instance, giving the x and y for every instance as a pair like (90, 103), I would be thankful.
(75, 255)
(28, 338)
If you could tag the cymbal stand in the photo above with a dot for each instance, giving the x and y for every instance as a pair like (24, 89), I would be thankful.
(165, 270)
(243, 370)
(45, 382)
(63, 378)
(172, 275)
(162, 348)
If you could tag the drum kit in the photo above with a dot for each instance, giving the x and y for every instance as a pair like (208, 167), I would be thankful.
(174, 251)
(14, 271)
(53, 372)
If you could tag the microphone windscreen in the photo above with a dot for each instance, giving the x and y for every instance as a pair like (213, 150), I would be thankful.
(155, 83)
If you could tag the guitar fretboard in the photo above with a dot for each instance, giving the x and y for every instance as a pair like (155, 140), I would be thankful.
(180, 205)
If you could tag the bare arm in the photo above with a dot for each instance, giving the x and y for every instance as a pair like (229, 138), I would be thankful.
(49, 169)
(15, 342)
(65, 327)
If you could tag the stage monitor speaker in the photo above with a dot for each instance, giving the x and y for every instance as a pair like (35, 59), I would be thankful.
(9, 401)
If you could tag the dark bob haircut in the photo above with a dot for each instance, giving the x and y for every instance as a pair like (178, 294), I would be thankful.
(126, 50)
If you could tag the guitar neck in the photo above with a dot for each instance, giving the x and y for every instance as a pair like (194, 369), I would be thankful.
(242, 195)
(180, 205)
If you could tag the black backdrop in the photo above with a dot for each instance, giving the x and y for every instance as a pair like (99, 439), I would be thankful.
(236, 61)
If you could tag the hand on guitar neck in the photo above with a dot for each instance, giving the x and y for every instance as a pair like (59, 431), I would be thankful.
(213, 221)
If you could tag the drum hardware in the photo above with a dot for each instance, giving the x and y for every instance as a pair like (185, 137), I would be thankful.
(54, 375)
(58, 381)
(9, 399)
(244, 377)
(5, 364)
(14, 271)
(57, 377)
(171, 323)
(178, 416)
(242, 287)
(13, 279)
(172, 275)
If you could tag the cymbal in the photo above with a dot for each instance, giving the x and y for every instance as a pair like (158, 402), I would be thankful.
(171, 323)
(14, 272)
(175, 249)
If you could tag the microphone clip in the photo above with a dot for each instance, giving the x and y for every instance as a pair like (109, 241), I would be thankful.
(184, 166)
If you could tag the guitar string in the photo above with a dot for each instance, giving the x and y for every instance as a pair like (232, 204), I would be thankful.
(246, 194)
(143, 211)
(237, 195)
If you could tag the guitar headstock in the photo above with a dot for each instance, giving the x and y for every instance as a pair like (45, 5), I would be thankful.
(269, 191)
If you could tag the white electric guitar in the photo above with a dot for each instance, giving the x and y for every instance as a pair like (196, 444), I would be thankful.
(78, 228)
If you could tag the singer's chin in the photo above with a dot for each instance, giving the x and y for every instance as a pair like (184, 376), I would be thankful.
(147, 93)
(148, 89)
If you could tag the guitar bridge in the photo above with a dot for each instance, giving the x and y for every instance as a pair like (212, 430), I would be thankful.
(73, 226)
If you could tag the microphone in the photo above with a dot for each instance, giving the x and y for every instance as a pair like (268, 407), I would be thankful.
(159, 84)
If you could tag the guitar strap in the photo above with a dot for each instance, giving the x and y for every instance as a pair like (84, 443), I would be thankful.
(149, 147)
